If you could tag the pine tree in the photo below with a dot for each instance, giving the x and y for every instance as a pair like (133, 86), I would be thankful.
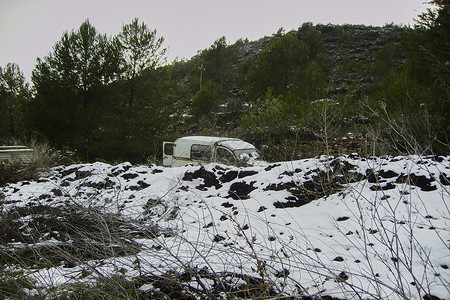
(141, 49)
(14, 92)
(69, 105)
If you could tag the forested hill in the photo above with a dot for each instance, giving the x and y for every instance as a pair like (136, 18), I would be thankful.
(350, 54)
(279, 75)
(293, 94)
(354, 48)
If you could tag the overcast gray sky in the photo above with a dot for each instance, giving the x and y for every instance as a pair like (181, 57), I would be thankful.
(30, 28)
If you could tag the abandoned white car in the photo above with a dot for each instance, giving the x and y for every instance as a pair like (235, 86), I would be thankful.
(200, 150)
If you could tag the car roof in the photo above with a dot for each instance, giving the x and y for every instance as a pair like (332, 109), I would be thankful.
(206, 139)
(232, 143)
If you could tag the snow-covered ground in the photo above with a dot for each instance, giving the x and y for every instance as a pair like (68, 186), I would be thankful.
(346, 227)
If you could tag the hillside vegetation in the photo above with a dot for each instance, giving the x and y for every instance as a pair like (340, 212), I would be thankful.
(317, 89)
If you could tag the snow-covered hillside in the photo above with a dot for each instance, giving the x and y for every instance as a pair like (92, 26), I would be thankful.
(346, 227)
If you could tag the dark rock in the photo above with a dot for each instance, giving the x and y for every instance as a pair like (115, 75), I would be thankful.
(218, 238)
(227, 204)
(209, 178)
(82, 174)
(228, 176)
(107, 183)
(288, 173)
(243, 174)
(294, 203)
(140, 186)
(44, 196)
(430, 297)
(210, 224)
(67, 172)
(128, 176)
(270, 167)
(57, 192)
(279, 187)
(305, 193)
(421, 181)
(438, 158)
(371, 176)
(378, 187)
(342, 277)
(341, 167)
(262, 208)
(387, 174)
(283, 273)
(120, 169)
(65, 183)
(340, 219)
(240, 190)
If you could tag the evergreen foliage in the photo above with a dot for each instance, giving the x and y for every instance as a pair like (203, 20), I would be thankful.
(417, 96)
(278, 66)
(69, 82)
(116, 98)
(140, 48)
(14, 94)
(207, 100)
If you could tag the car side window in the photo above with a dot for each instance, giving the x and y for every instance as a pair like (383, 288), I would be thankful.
(201, 152)
(168, 149)
(224, 155)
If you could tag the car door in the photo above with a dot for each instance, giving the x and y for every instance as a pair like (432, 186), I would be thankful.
(168, 153)
(225, 156)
